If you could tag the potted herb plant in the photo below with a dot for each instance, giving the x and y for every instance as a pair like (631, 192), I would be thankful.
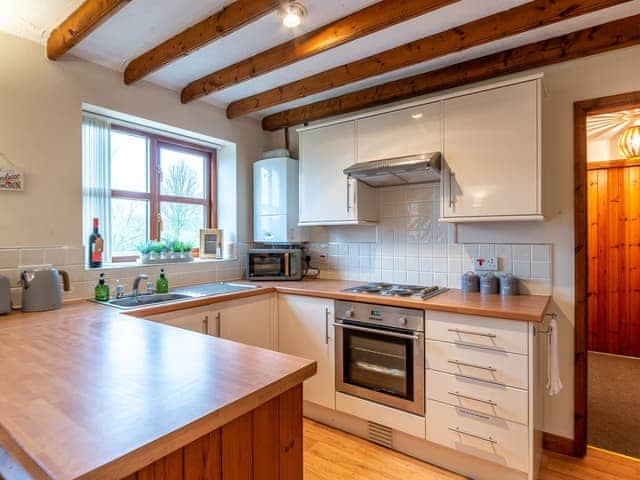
(157, 249)
(176, 249)
(186, 251)
(144, 249)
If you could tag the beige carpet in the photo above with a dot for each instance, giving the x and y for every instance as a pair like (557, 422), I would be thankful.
(613, 421)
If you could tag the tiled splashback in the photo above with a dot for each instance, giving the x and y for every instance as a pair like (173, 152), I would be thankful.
(83, 281)
(413, 247)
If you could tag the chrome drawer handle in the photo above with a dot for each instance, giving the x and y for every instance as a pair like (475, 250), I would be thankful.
(469, 332)
(472, 365)
(473, 435)
(461, 395)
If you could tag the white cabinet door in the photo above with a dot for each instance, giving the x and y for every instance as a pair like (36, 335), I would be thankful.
(326, 195)
(306, 330)
(249, 321)
(403, 132)
(195, 319)
(492, 153)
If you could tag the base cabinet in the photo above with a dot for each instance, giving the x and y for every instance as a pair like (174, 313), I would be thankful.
(306, 330)
(194, 319)
(250, 321)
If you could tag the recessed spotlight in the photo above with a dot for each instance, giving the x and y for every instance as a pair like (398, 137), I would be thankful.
(416, 116)
(292, 14)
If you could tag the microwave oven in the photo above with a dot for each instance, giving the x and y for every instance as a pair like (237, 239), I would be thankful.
(274, 264)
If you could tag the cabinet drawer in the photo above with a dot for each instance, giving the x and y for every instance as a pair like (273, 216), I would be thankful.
(506, 335)
(488, 398)
(490, 438)
(479, 363)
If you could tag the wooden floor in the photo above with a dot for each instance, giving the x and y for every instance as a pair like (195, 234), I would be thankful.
(330, 455)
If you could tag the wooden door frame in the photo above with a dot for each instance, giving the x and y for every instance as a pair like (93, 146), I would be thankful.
(581, 110)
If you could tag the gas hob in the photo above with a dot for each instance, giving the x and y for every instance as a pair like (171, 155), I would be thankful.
(383, 289)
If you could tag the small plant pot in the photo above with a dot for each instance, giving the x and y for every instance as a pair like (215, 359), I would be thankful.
(144, 257)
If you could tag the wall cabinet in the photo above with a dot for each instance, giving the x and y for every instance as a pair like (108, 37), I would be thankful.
(327, 195)
(306, 330)
(492, 155)
(409, 131)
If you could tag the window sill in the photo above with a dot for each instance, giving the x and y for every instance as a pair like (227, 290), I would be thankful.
(196, 261)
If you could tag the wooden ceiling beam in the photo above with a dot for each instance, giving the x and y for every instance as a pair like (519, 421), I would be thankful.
(84, 19)
(222, 23)
(510, 22)
(602, 38)
(363, 22)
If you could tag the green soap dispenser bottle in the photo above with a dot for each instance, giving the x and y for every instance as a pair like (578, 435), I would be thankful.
(162, 284)
(102, 290)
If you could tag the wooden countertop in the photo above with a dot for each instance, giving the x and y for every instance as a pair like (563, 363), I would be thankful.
(522, 307)
(529, 308)
(89, 393)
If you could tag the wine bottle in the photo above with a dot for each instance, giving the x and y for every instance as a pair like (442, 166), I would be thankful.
(96, 246)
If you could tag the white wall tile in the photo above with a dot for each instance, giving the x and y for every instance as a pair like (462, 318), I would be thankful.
(413, 246)
(521, 253)
(32, 256)
(9, 258)
(540, 253)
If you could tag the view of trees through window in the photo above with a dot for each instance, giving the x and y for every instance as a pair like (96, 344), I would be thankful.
(175, 207)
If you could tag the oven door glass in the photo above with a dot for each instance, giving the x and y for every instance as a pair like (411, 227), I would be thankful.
(265, 264)
(378, 362)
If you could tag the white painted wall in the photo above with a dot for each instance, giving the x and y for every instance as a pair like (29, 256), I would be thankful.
(591, 77)
(40, 130)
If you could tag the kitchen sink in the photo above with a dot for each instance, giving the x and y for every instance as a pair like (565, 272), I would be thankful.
(142, 300)
(196, 291)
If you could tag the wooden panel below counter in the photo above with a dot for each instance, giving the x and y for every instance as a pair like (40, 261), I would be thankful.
(264, 444)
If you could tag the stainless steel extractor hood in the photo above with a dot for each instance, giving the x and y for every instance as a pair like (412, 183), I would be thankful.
(421, 168)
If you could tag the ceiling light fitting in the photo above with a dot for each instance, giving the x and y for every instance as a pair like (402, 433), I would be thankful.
(292, 13)
(629, 142)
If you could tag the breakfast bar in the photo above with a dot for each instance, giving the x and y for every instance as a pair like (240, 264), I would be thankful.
(89, 393)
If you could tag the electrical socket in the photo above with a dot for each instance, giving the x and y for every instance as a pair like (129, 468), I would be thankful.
(485, 264)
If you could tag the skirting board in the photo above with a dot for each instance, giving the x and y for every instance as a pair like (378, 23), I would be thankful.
(558, 444)
(445, 458)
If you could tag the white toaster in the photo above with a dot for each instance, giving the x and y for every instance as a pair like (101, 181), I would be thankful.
(5, 295)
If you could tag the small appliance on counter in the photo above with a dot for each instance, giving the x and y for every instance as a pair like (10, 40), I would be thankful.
(5, 295)
(275, 264)
(42, 289)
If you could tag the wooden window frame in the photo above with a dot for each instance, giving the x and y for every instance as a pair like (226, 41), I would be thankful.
(154, 143)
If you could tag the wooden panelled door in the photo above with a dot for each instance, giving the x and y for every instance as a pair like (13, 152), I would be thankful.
(613, 202)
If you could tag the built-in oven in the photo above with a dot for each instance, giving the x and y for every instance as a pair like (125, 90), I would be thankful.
(274, 264)
(380, 354)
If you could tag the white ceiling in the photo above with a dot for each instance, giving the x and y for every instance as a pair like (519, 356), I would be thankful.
(142, 24)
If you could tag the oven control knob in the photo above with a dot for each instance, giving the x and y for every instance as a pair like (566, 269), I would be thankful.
(403, 320)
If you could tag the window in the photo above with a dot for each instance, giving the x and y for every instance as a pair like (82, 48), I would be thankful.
(160, 188)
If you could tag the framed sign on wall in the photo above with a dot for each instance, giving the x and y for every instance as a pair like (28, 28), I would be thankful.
(210, 243)
(11, 178)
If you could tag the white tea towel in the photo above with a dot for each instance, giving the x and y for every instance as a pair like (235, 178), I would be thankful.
(554, 384)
